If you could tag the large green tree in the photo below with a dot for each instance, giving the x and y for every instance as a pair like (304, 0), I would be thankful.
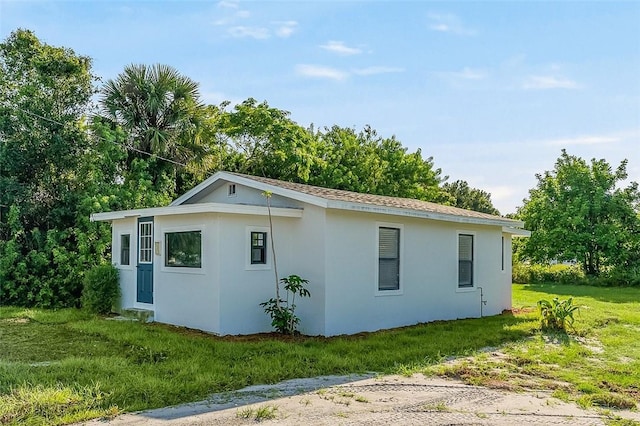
(45, 94)
(470, 198)
(264, 141)
(161, 113)
(365, 162)
(578, 212)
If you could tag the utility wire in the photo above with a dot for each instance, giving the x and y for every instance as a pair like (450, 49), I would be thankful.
(127, 146)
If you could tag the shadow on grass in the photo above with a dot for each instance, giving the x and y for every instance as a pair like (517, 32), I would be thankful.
(603, 294)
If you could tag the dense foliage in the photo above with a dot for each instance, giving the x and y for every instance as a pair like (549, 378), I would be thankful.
(101, 289)
(578, 213)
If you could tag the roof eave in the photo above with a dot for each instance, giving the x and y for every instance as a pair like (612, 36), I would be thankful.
(374, 208)
(198, 208)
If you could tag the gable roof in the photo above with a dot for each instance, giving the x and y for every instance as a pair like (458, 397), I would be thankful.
(348, 200)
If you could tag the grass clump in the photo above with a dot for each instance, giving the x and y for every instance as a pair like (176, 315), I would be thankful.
(42, 405)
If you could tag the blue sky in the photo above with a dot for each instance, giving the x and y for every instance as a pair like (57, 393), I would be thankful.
(491, 90)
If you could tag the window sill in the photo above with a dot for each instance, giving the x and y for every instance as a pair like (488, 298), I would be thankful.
(465, 289)
(389, 293)
(258, 267)
(183, 270)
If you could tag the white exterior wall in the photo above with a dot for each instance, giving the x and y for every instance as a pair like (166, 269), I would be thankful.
(127, 273)
(299, 251)
(429, 275)
(336, 251)
(188, 296)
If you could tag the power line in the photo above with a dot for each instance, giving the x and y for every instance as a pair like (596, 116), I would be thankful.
(127, 146)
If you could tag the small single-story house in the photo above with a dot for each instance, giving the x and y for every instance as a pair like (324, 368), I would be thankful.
(373, 262)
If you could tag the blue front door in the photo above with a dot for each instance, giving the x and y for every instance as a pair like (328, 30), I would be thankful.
(145, 260)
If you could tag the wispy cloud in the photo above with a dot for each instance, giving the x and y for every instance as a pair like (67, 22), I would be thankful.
(318, 71)
(376, 70)
(449, 23)
(340, 48)
(584, 140)
(463, 78)
(225, 4)
(242, 31)
(285, 29)
(546, 82)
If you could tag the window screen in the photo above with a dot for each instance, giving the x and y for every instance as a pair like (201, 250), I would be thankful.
(388, 259)
(465, 260)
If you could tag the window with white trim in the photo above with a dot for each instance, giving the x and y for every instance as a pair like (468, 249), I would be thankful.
(465, 261)
(231, 192)
(125, 249)
(388, 258)
(258, 248)
(183, 249)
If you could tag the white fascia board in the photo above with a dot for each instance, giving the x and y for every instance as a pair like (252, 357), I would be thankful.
(198, 208)
(516, 232)
(372, 208)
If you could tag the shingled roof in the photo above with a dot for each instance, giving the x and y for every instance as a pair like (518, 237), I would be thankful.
(376, 200)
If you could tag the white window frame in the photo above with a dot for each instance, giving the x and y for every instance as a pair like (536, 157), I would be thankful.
(133, 249)
(204, 261)
(138, 239)
(474, 260)
(247, 249)
(377, 291)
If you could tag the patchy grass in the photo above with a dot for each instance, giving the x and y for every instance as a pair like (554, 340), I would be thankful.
(597, 365)
(86, 366)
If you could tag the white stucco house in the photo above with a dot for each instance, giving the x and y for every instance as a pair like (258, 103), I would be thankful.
(373, 262)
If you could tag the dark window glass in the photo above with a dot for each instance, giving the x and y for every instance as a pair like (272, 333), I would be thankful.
(183, 249)
(125, 249)
(258, 248)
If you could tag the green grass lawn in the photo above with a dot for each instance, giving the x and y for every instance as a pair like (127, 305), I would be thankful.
(62, 366)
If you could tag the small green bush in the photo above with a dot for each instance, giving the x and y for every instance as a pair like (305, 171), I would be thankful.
(557, 314)
(101, 289)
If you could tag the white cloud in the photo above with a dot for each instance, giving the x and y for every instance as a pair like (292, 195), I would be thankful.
(462, 79)
(545, 82)
(240, 31)
(448, 23)
(243, 14)
(317, 71)
(285, 28)
(228, 4)
(583, 140)
(376, 70)
(501, 192)
(340, 48)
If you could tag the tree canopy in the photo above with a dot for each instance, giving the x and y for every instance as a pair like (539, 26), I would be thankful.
(578, 212)
(470, 198)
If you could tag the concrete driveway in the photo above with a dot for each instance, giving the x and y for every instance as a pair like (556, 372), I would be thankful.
(369, 400)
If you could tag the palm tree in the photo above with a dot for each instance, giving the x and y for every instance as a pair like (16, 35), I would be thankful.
(159, 107)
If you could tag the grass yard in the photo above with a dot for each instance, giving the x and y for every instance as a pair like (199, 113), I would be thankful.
(57, 367)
